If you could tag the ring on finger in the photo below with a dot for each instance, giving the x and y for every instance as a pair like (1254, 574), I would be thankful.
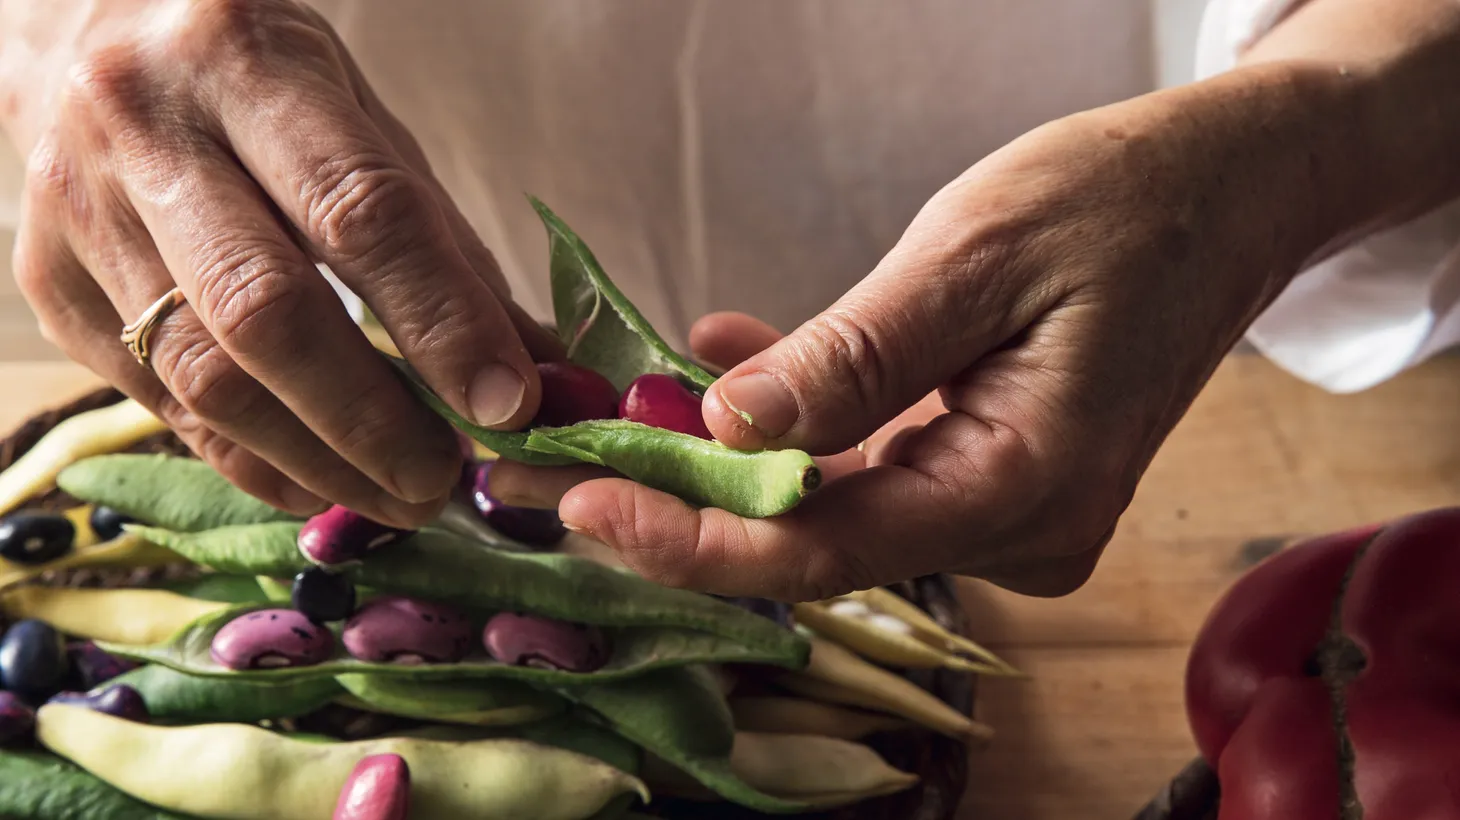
(137, 336)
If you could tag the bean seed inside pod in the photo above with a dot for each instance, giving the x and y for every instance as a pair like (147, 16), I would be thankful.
(341, 536)
(379, 788)
(35, 538)
(93, 665)
(33, 661)
(571, 394)
(107, 522)
(545, 643)
(119, 700)
(271, 638)
(323, 596)
(17, 719)
(538, 528)
(662, 401)
(407, 631)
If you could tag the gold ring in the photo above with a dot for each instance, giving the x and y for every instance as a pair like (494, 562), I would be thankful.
(137, 336)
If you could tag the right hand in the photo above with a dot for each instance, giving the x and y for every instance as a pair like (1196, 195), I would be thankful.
(225, 147)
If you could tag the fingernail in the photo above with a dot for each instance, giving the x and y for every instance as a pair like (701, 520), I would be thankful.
(495, 395)
(300, 500)
(763, 402)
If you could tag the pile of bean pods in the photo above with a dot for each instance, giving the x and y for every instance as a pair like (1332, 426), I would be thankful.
(475, 668)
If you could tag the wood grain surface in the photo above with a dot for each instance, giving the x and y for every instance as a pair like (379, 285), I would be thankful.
(1099, 728)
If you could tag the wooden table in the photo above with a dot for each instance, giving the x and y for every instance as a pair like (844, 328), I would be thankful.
(1100, 726)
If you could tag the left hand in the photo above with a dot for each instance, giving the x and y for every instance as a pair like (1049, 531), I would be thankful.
(1066, 298)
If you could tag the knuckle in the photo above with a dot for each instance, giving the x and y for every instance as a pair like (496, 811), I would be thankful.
(357, 205)
(50, 175)
(848, 348)
(364, 422)
(250, 299)
(206, 382)
(112, 83)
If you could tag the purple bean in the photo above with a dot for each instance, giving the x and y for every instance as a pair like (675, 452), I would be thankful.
(17, 719)
(95, 666)
(545, 643)
(571, 394)
(379, 788)
(272, 638)
(661, 401)
(408, 631)
(341, 536)
(118, 700)
(538, 528)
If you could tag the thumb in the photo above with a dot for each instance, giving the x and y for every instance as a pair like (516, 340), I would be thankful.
(926, 313)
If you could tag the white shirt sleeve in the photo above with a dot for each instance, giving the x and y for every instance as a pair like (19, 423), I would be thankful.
(1382, 304)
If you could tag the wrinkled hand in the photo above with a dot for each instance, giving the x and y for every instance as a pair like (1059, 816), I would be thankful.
(226, 148)
(1066, 299)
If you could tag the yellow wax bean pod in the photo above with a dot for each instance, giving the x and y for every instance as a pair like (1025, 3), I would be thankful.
(836, 675)
(125, 550)
(927, 629)
(104, 430)
(125, 616)
(773, 714)
(80, 518)
(233, 771)
(822, 772)
(879, 643)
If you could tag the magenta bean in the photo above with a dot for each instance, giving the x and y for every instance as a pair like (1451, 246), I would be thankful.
(95, 666)
(539, 528)
(379, 788)
(272, 638)
(393, 629)
(118, 700)
(17, 719)
(545, 643)
(340, 536)
(661, 401)
(571, 394)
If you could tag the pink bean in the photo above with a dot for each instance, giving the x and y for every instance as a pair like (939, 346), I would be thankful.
(661, 401)
(379, 788)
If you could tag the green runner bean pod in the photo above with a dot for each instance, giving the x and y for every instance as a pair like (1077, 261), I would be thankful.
(175, 697)
(114, 616)
(680, 716)
(707, 473)
(449, 569)
(244, 772)
(635, 650)
(39, 786)
(171, 492)
(600, 327)
(472, 703)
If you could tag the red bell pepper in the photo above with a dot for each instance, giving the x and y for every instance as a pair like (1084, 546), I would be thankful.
(1326, 682)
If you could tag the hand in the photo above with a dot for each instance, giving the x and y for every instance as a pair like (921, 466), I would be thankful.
(1066, 298)
(226, 148)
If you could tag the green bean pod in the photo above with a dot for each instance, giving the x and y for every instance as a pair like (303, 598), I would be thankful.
(568, 731)
(635, 650)
(171, 492)
(680, 716)
(706, 473)
(104, 430)
(599, 326)
(115, 616)
(244, 772)
(471, 703)
(449, 569)
(175, 697)
(39, 786)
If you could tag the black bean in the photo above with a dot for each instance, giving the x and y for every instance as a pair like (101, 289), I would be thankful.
(107, 522)
(323, 596)
(35, 538)
(33, 660)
